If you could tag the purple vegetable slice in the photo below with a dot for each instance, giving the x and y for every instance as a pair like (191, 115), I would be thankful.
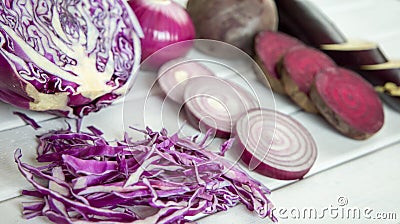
(215, 104)
(27, 120)
(270, 47)
(299, 67)
(173, 76)
(67, 59)
(348, 102)
(274, 144)
(160, 179)
(305, 21)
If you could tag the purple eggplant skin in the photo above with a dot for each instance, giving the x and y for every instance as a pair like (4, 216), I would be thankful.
(306, 22)
(382, 76)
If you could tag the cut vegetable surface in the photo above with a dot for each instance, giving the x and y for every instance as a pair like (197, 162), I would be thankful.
(299, 67)
(269, 48)
(174, 75)
(69, 58)
(216, 104)
(274, 144)
(305, 21)
(233, 21)
(302, 19)
(348, 102)
(160, 179)
(354, 54)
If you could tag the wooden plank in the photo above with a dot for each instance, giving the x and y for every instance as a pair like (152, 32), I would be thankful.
(24, 138)
(371, 182)
(366, 20)
(8, 120)
(334, 149)
(145, 104)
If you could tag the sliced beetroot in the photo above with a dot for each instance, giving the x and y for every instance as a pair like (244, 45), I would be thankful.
(270, 47)
(173, 76)
(212, 103)
(305, 21)
(348, 102)
(274, 144)
(299, 67)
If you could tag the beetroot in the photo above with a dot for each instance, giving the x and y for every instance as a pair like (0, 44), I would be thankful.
(299, 67)
(269, 48)
(348, 102)
(305, 21)
(235, 22)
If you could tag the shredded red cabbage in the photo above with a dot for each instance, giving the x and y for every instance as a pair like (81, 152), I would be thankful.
(27, 120)
(87, 179)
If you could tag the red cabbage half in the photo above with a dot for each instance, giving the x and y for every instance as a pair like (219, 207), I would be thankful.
(66, 57)
(87, 179)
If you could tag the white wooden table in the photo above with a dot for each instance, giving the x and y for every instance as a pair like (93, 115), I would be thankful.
(349, 176)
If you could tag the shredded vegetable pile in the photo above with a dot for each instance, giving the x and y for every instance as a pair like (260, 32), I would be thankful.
(160, 179)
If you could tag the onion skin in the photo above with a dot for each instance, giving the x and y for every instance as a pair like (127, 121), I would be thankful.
(164, 22)
(233, 21)
(348, 102)
(267, 170)
(287, 149)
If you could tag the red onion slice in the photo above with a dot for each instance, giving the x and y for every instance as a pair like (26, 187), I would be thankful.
(173, 76)
(274, 144)
(216, 104)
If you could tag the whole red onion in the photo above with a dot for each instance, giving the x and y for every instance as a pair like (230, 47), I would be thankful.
(164, 22)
